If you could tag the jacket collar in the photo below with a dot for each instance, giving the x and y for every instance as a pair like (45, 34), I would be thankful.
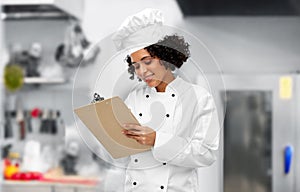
(178, 85)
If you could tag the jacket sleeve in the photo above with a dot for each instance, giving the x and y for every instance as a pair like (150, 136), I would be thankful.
(196, 150)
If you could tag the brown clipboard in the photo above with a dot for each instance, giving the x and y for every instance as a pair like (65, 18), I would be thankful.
(104, 120)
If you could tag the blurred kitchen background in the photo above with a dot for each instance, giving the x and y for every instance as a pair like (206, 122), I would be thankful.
(255, 42)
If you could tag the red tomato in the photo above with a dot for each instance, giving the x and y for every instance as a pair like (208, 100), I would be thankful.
(35, 175)
(25, 176)
(16, 176)
(38, 175)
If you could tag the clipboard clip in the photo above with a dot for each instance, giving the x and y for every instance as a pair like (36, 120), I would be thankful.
(97, 98)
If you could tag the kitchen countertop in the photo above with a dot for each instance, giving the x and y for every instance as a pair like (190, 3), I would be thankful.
(47, 186)
(47, 183)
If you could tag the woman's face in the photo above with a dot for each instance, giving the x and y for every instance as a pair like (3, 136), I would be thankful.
(150, 69)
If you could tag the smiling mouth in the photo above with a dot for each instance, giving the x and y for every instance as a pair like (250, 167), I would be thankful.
(148, 78)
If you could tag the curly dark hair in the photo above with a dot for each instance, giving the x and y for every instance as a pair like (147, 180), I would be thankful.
(172, 51)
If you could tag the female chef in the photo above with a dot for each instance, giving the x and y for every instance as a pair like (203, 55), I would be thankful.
(178, 119)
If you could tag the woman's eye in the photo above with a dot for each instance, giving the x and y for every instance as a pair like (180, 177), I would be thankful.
(148, 61)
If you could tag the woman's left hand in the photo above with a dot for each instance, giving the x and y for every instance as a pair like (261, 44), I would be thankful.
(142, 134)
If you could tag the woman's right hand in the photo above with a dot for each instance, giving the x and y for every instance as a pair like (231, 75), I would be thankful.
(142, 134)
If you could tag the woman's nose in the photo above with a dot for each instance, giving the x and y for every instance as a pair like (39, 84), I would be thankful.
(143, 68)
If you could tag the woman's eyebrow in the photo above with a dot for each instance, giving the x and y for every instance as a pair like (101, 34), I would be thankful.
(142, 59)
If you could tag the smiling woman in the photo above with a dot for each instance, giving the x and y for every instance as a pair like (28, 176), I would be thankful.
(177, 119)
(151, 70)
(154, 64)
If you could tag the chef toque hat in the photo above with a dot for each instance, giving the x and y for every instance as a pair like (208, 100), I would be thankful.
(139, 30)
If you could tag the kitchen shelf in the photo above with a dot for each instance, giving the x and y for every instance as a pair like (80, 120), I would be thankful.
(7, 141)
(26, 9)
(41, 80)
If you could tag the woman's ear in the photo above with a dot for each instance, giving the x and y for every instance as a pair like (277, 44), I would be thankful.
(165, 64)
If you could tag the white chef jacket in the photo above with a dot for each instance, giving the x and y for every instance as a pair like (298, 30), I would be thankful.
(187, 137)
